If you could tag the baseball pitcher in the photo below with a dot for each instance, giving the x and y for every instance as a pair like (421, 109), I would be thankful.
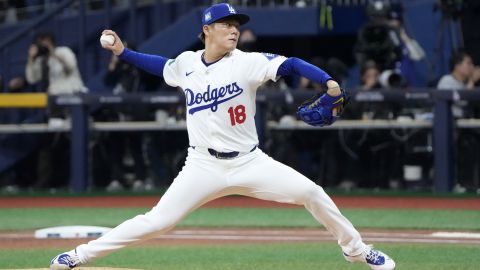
(220, 84)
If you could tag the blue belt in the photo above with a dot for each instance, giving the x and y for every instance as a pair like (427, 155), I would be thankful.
(223, 155)
(226, 155)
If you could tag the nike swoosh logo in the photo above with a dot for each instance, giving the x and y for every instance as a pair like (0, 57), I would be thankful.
(188, 73)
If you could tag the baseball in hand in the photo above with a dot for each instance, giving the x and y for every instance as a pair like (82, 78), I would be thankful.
(107, 40)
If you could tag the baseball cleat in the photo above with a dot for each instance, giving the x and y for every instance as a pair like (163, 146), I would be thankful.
(65, 261)
(376, 259)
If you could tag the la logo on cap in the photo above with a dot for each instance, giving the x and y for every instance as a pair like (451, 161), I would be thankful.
(220, 11)
(231, 9)
(208, 16)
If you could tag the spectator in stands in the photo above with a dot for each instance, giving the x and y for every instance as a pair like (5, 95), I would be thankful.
(369, 75)
(116, 148)
(464, 75)
(55, 70)
(54, 66)
(367, 155)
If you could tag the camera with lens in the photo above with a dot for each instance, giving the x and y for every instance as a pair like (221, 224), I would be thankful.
(377, 40)
(391, 78)
(42, 50)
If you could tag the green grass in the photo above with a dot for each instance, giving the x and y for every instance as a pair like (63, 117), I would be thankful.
(285, 256)
(34, 218)
(323, 256)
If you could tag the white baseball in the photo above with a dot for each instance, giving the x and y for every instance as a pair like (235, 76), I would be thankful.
(107, 40)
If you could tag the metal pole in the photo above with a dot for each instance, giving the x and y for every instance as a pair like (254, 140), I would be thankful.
(443, 145)
(79, 148)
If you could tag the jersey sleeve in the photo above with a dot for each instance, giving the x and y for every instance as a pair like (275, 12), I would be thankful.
(171, 72)
(263, 66)
(174, 68)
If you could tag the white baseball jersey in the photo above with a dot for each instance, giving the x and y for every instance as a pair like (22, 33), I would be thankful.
(220, 115)
(220, 97)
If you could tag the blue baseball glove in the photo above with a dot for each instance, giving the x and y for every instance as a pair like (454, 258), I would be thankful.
(323, 109)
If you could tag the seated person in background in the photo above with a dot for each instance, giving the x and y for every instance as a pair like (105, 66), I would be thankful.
(369, 81)
(464, 75)
(369, 75)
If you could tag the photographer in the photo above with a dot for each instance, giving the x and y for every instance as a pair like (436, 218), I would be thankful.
(55, 68)
(384, 40)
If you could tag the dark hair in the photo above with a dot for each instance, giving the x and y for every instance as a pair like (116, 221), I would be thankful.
(369, 64)
(201, 36)
(46, 35)
(457, 58)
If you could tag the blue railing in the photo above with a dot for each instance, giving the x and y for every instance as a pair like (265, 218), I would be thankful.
(442, 126)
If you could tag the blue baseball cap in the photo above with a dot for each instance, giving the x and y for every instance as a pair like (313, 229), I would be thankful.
(220, 11)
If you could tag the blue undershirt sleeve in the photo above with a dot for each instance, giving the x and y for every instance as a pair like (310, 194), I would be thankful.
(151, 63)
(297, 66)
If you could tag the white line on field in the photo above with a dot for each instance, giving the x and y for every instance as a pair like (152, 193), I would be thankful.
(468, 235)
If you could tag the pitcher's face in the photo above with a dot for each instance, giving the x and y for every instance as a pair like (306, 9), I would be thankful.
(224, 34)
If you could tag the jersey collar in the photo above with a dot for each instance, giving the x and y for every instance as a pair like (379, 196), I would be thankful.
(209, 64)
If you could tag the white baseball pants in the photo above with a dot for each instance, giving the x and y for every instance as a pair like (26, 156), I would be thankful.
(204, 178)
